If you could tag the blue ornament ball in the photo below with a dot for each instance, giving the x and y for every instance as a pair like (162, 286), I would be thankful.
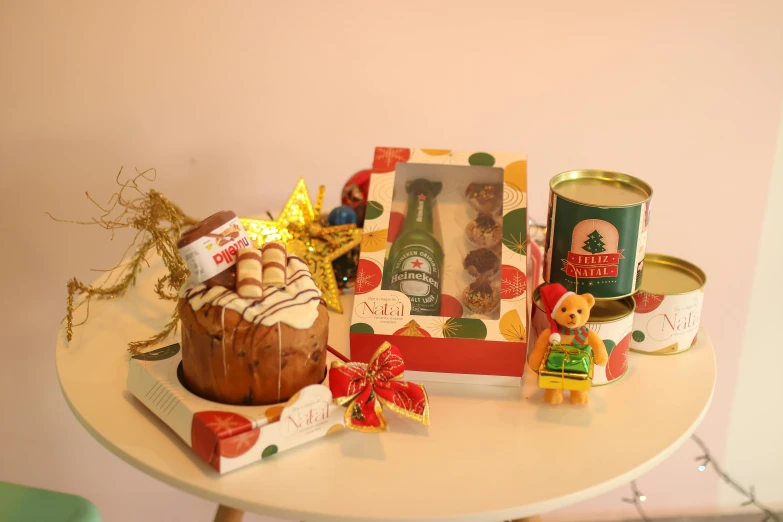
(342, 215)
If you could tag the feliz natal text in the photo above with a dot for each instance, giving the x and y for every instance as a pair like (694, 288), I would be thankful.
(591, 271)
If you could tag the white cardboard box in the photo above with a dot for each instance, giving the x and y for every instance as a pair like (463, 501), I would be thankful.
(228, 437)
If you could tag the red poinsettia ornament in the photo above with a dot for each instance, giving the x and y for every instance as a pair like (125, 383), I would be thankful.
(367, 388)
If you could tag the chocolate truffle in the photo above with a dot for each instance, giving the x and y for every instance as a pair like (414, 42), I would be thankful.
(481, 297)
(484, 231)
(482, 262)
(486, 198)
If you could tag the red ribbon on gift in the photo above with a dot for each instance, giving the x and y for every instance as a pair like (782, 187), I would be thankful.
(367, 388)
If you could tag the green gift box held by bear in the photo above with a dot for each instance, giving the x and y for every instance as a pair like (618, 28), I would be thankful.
(567, 351)
(573, 359)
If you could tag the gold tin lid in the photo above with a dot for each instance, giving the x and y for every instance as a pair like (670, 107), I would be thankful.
(604, 310)
(601, 188)
(669, 275)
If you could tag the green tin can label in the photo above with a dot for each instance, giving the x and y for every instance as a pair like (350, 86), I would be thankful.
(597, 232)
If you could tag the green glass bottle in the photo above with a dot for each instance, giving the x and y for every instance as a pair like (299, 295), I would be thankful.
(415, 263)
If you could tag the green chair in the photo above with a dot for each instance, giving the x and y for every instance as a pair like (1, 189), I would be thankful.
(23, 504)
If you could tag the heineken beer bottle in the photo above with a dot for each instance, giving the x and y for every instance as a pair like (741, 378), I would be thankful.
(415, 263)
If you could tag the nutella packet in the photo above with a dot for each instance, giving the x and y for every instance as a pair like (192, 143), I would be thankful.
(211, 246)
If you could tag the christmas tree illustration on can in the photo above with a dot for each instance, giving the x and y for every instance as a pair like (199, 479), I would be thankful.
(594, 250)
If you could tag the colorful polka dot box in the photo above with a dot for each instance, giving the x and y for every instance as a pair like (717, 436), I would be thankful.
(443, 264)
(228, 437)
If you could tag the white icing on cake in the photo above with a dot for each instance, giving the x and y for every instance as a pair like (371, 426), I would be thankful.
(295, 305)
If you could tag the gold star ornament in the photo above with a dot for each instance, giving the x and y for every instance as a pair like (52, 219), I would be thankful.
(299, 227)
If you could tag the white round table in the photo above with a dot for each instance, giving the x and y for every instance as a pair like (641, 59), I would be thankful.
(491, 453)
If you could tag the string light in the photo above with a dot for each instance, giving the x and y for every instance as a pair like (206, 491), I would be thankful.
(637, 500)
(705, 461)
(749, 494)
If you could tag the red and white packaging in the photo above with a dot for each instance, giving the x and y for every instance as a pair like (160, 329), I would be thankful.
(460, 344)
(229, 437)
(215, 251)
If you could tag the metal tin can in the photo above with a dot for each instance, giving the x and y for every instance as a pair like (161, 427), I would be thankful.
(597, 232)
(668, 306)
(611, 319)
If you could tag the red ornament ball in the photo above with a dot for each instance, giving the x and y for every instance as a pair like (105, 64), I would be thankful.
(356, 188)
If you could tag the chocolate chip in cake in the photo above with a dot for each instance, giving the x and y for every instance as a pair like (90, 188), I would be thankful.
(247, 400)
(316, 355)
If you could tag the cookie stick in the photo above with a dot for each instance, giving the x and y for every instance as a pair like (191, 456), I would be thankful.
(249, 273)
(273, 256)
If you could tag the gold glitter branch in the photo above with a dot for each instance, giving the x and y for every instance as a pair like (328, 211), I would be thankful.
(158, 223)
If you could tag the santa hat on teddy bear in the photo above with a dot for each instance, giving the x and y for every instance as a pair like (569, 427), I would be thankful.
(552, 297)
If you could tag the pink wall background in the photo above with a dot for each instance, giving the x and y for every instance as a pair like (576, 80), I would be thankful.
(226, 100)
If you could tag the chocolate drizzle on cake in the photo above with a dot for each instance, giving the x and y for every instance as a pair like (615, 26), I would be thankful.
(295, 305)
(254, 339)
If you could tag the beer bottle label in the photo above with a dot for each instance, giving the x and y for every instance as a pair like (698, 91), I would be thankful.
(416, 273)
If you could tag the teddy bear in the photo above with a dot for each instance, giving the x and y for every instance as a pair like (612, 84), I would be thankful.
(567, 313)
